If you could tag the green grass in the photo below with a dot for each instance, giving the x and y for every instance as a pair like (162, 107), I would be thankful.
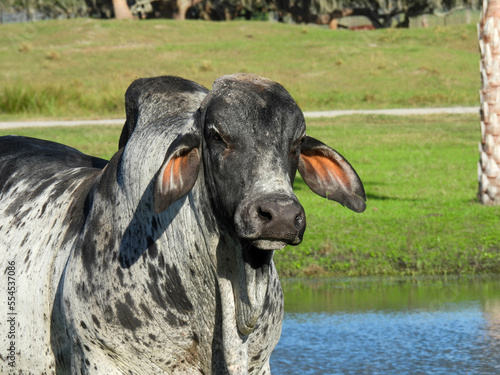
(419, 173)
(81, 68)
(101, 141)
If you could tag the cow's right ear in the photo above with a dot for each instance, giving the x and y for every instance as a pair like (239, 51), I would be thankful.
(178, 173)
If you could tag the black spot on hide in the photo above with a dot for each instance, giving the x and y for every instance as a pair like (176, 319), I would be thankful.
(146, 310)
(29, 251)
(119, 273)
(88, 253)
(176, 292)
(82, 291)
(96, 321)
(25, 239)
(172, 320)
(43, 209)
(161, 261)
(267, 304)
(129, 300)
(153, 273)
(108, 314)
(154, 224)
(125, 263)
(154, 288)
(126, 317)
(19, 216)
(170, 291)
(44, 185)
(83, 325)
(152, 248)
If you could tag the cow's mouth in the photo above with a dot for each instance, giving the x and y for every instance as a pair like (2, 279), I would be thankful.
(257, 256)
(269, 244)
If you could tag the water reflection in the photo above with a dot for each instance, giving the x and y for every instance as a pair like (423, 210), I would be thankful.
(390, 326)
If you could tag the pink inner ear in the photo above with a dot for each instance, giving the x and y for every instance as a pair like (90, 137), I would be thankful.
(325, 168)
(176, 167)
(172, 173)
(176, 178)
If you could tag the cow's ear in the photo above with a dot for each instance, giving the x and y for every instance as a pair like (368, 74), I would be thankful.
(329, 175)
(178, 173)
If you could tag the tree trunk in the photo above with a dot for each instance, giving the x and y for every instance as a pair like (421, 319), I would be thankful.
(489, 148)
(121, 9)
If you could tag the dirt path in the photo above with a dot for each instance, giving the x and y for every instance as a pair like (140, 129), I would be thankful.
(392, 112)
(395, 112)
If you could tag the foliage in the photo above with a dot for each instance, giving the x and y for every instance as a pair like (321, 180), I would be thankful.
(309, 11)
(323, 11)
(47, 8)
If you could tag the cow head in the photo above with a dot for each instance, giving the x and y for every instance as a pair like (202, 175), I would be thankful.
(253, 140)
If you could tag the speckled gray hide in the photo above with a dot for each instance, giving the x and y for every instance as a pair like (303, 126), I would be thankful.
(121, 270)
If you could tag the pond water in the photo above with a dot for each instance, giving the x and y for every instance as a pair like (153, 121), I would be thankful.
(390, 326)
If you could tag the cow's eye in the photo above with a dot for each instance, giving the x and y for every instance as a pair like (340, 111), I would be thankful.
(216, 137)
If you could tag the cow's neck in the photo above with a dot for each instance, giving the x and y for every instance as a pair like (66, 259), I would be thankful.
(242, 289)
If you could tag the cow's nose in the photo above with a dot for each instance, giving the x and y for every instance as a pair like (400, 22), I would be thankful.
(279, 220)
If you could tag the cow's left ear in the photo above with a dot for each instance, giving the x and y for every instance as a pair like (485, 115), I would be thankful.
(329, 175)
(178, 173)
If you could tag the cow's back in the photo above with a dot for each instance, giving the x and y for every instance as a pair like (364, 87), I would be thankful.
(42, 185)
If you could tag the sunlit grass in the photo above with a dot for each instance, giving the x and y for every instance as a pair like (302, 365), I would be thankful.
(82, 67)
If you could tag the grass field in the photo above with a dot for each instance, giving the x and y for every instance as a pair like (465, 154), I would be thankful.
(419, 173)
(81, 68)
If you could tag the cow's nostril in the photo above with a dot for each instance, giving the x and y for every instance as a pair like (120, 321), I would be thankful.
(299, 220)
(264, 215)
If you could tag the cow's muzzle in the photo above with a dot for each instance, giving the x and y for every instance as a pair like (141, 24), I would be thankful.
(271, 222)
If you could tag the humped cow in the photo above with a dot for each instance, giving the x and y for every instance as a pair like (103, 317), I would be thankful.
(160, 261)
